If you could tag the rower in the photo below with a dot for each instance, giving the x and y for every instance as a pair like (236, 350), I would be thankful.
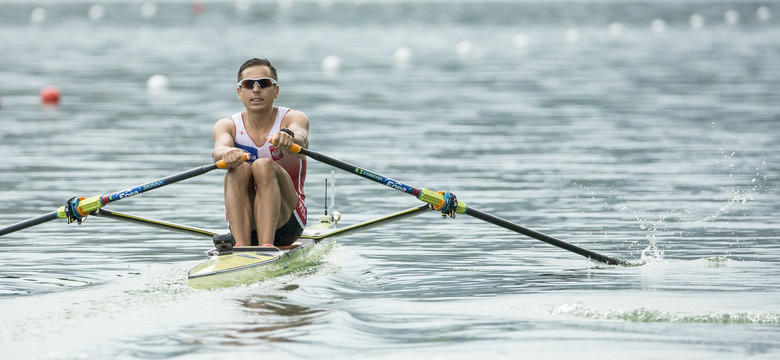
(264, 197)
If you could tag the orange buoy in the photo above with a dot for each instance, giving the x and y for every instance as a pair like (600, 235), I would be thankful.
(197, 7)
(50, 95)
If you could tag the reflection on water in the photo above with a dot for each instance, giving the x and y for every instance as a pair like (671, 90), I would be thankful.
(257, 320)
(271, 318)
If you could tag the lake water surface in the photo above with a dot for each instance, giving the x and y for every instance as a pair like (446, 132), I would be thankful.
(623, 127)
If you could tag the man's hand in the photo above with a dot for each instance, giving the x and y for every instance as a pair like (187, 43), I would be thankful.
(282, 140)
(233, 157)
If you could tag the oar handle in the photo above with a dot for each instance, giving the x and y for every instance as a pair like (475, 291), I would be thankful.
(293, 148)
(221, 164)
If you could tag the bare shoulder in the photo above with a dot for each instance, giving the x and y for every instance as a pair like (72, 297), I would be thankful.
(295, 117)
(224, 124)
(224, 128)
(225, 121)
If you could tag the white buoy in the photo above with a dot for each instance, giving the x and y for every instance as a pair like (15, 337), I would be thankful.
(571, 36)
(520, 41)
(763, 13)
(464, 49)
(658, 26)
(38, 15)
(96, 12)
(285, 5)
(616, 30)
(331, 64)
(157, 84)
(243, 5)
(731, 17)
(696, 21)
(148, 10)
(402, 56)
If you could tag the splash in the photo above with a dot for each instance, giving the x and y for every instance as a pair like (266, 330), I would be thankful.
(740, 196)
(652, 253)
(746, 181)
(743, 193)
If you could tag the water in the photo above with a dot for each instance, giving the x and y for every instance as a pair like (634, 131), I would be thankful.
(653, 147)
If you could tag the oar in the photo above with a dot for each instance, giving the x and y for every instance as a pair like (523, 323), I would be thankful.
(77, 209)
(443, 201)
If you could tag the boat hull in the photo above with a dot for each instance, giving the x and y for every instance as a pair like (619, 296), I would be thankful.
(246, 265)
(250, 264)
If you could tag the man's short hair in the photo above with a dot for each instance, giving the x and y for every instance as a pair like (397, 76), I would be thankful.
(257, 62)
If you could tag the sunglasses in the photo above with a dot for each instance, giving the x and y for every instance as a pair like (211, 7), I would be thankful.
(262, 82)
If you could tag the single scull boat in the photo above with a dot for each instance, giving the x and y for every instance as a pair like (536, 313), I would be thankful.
(249, 264)
(229, 266)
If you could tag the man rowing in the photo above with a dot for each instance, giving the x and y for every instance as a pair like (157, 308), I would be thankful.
(264, 197)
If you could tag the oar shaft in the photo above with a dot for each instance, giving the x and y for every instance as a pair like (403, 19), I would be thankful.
(386, 181)
(86, 206)
(433, 198)
(29, 223)
(542, 237)
(425, 195)
(106, 199)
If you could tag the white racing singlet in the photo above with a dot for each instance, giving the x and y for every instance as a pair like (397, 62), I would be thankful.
(294, 165)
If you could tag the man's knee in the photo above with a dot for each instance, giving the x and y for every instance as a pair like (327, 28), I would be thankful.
(264, 169)
(239, 175)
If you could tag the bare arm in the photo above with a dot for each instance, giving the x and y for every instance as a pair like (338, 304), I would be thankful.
(224, 143)
(298, 123)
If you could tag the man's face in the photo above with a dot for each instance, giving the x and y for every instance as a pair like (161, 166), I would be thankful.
(257, 98)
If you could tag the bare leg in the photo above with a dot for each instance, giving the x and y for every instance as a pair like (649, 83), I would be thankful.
(238, 202)
(275, 198)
